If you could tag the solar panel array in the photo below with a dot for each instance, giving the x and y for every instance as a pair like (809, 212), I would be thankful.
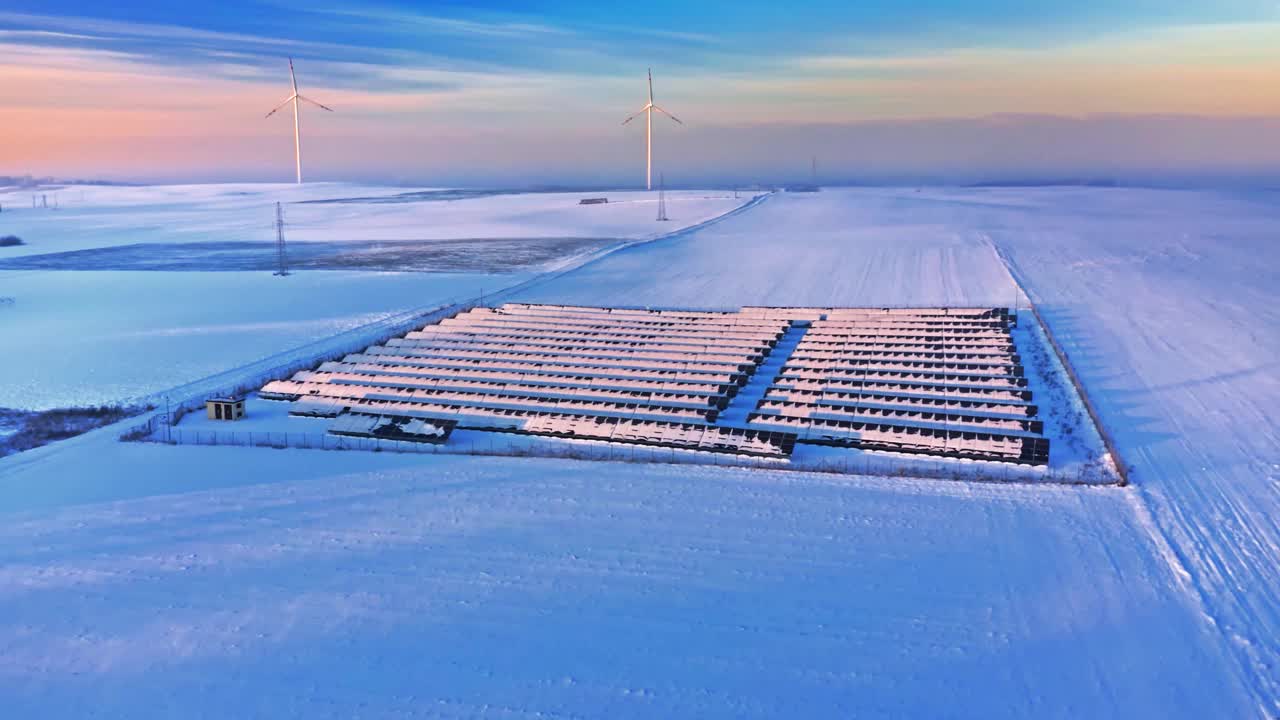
(946, 382)
(656, 378)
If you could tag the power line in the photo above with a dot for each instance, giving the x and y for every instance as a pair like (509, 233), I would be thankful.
(282, 261)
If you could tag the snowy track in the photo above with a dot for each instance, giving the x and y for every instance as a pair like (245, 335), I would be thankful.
(1177, 333)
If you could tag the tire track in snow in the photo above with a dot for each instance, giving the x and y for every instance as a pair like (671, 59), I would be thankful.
(1203, 559)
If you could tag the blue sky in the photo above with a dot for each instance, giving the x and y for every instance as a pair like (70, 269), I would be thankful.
(504, 92)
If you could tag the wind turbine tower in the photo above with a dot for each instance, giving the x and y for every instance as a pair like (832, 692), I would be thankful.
(297, 136)
(662, 198)
(647, 111)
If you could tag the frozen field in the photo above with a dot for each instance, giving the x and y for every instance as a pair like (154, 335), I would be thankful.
(101, 217)
(102, 337)
(466, 255)
(121, 300)
(146, 580)
(830, 249)
(323, 584)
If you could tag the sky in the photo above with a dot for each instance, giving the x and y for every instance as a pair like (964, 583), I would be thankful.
(533, 92)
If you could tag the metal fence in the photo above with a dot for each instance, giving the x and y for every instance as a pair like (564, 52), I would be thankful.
(528, 446)
(1104, 432)
(178, 401)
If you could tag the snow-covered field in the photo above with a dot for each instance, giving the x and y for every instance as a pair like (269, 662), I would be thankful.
(81, 338)
(76, 337)
(145, 580)
(96, 217)
(832, 249)
(216, 582)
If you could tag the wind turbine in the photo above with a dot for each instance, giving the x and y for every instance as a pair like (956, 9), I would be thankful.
(647, 111)
(294, 98)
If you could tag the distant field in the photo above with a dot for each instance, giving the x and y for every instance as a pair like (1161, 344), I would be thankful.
(483, 255)
(121, 292)
(414, 196)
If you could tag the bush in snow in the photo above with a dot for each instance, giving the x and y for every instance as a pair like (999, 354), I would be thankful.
(33, 429)
(10, 241)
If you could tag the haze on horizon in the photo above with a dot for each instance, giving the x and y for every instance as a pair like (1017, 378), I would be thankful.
(534, 92)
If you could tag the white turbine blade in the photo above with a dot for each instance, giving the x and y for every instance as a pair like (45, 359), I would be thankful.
(293, 78)
(313, 102)
(280, 106)
(638, 114)
(664, 112)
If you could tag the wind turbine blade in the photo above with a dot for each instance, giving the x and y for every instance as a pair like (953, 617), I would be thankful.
(313, 102)
(650, 86)
(664, 112)
(280, 106)
(640, 112)
(293, 78)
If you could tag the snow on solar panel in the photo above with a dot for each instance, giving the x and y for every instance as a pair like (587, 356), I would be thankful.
(391, 427)
(931, 380)
(941, 381)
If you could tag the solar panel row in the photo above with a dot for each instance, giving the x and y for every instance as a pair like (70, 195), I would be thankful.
(674, 399)
(689, 374)
(434, 376)
(811, 313)
(887, 409)
(389, 391)
(913, 336)
(606, 428)
(895, 437)
(434, 333)
(729, 364)
(922, 350)
(891, 362)
(931, 332)
(900, 385)
(1008, 408)
(551, 349)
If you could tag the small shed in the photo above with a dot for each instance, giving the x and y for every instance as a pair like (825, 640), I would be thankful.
(224, 408)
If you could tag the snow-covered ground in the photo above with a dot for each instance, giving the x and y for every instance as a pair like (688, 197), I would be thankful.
(97, 217)
(832, 249)
(223, 582)
(79, 337)
(146, 580)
